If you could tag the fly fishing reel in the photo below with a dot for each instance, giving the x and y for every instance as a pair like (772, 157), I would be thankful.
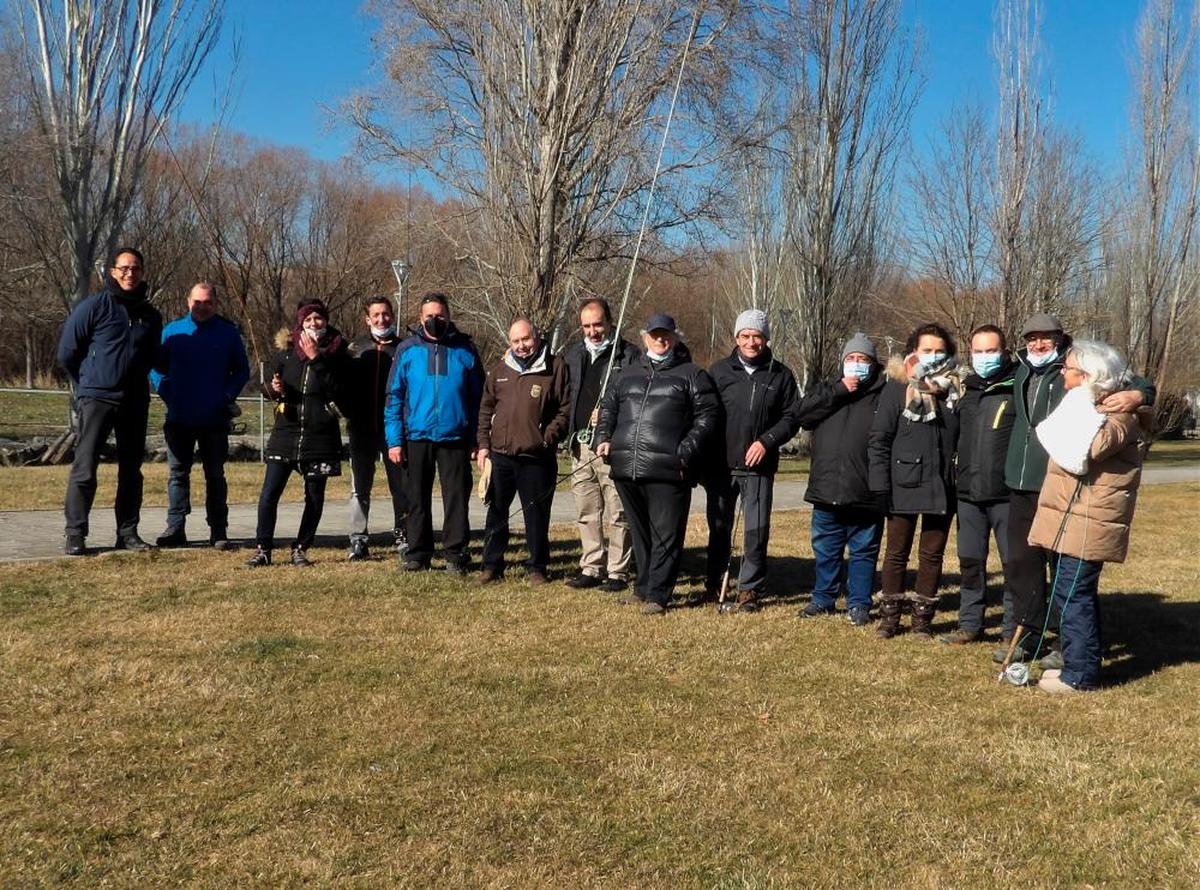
(584, 436)
(1016, 674)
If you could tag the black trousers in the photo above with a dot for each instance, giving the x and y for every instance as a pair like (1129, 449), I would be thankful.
(96, 420)
(756, 493)
(657, 514)
(1027, 565)
(452, 462)
(533, 478)
(365, 450)
(275, 480)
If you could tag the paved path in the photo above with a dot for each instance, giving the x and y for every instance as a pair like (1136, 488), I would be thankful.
(37, 534)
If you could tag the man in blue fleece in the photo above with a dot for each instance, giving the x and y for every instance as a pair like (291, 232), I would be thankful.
(430, 420)
(204, 368)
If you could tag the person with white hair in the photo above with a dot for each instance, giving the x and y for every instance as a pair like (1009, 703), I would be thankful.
(1087, 501)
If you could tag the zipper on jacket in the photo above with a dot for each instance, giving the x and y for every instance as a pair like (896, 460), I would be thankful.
(375, 391)
(637, 429)
(1029, 430)
(303, 399)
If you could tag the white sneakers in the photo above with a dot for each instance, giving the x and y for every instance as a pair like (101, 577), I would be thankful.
(1051, 682)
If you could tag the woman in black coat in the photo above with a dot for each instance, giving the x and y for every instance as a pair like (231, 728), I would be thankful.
(911, 460)
(309, 376)
(655, 420)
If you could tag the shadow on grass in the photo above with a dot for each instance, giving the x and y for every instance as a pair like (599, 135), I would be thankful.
(1145, 632)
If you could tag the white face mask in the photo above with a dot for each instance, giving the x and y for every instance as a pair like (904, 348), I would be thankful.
(594, 349)
(383, 333)
(1040, 361)
(655, 357)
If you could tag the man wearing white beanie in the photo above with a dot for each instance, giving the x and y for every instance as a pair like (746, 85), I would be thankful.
(759, 399)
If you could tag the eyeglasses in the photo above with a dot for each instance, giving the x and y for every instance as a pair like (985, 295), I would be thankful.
(126, 270)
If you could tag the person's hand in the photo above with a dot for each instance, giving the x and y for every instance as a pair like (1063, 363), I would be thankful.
(603, 448)
(308, 344)
(755, 453)
(851, 383)
(595, 416)
(277, 385)
(481, 456)
(396, 455)
(1124, 402)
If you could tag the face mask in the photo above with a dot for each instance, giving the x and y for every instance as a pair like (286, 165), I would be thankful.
(986, 363)
(595, 349)
(655, 357)
(861, 370)
(1040, 361)
(383, 333)
(436, 327)
(930, 361)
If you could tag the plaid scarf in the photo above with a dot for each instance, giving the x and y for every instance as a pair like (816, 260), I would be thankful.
(928, 389)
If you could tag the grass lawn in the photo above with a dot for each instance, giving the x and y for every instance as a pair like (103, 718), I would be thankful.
(173, 717)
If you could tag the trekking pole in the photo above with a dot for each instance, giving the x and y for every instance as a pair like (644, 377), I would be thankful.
(737, 521)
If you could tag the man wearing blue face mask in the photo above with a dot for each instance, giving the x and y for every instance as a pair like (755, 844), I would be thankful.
(985, 423)
(1037, 390)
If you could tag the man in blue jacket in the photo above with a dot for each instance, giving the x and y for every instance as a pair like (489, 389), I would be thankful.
(203, 369)
(430, 420)
(108, 346)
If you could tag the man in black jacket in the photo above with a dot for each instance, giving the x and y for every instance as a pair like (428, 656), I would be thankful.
(108, 347)
(370, 364)
(761, 402)
(597, 505)
(847, 516)
(985, 414)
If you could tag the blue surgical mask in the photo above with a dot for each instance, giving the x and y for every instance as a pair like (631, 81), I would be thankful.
(595, 349)
(986, 363)
(861, 370)
(1040, 361)
(655, 357)
(931, 360)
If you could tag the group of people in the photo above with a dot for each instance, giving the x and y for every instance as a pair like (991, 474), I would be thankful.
(1040, 448)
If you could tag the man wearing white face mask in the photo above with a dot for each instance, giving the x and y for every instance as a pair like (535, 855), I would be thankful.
(371, 364)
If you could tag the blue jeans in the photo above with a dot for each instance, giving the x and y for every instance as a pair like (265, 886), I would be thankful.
(1076, 600)
(834, 531)
(183, 441)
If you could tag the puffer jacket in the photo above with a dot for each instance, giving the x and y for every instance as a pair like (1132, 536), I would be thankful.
(110, 343)
(759, 407)
(910, 461)
(986, 420)
(658, 418)
(1095, 510)
(306, 415)
(841, 421)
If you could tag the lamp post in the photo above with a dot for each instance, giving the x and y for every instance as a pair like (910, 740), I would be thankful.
(401, 269)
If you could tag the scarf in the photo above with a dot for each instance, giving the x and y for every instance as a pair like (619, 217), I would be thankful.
(928, 389)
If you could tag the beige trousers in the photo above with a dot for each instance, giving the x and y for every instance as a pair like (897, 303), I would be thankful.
(598, 509)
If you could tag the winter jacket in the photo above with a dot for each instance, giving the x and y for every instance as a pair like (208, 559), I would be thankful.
(524, 412)
(841, 422)
(910, 461)
(1095, 510)
(370, 368)
(759, 407)
(306, 415)
(986, 419)
(110, 343)
(204, 368)
(434, 392)
(657, 418)
(1037, 392)
(576, 357)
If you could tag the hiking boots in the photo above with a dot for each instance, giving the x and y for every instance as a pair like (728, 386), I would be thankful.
(1051, 661)
(653, 608)
(300, 558)
(172, 537)
(457, 568)
(73, 545)
(812, 610)
(414, 565)
(890, 608)
(923, 608)
(490, 576)
(131, 542)
(536, 578)
(747, 601)
(960, 637)
(584, 582)
(260, 558)
(358, 551)
(859, 616)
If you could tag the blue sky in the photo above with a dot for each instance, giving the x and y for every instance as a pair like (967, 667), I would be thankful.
(298, 57)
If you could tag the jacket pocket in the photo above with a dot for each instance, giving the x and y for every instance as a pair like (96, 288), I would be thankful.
(907, 472)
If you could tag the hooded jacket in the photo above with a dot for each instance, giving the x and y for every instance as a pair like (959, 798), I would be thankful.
(658, 417)
(759, 407)
(370, 368)
(910, 461)
(204, 368)
(524, 411)
(841, 422)
(986, 419)
(110, 343)
(1094, 510)
(306, 415)
(434, 391)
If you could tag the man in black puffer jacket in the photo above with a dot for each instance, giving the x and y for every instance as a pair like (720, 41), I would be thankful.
(847, 521)
(985, 417)
(655, 421)
(760, 405)
(108, 347)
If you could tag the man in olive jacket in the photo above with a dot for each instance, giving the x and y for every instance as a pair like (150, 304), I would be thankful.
(522, 418)
(759, 402)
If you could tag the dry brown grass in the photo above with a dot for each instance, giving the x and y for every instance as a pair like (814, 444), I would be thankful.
(176, 718)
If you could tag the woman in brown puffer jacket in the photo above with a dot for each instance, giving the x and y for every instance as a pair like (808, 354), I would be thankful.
(1086, 507)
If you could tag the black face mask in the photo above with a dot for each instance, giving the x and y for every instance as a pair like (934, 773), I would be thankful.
(436, 327)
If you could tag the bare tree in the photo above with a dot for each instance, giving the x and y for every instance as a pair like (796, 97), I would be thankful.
(103, 79)
(540, 115)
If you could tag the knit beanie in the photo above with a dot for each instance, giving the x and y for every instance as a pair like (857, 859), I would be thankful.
(753, 320)
(860, 342)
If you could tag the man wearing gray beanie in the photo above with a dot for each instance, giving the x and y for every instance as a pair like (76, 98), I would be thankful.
(847, 518)
(759, 400)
